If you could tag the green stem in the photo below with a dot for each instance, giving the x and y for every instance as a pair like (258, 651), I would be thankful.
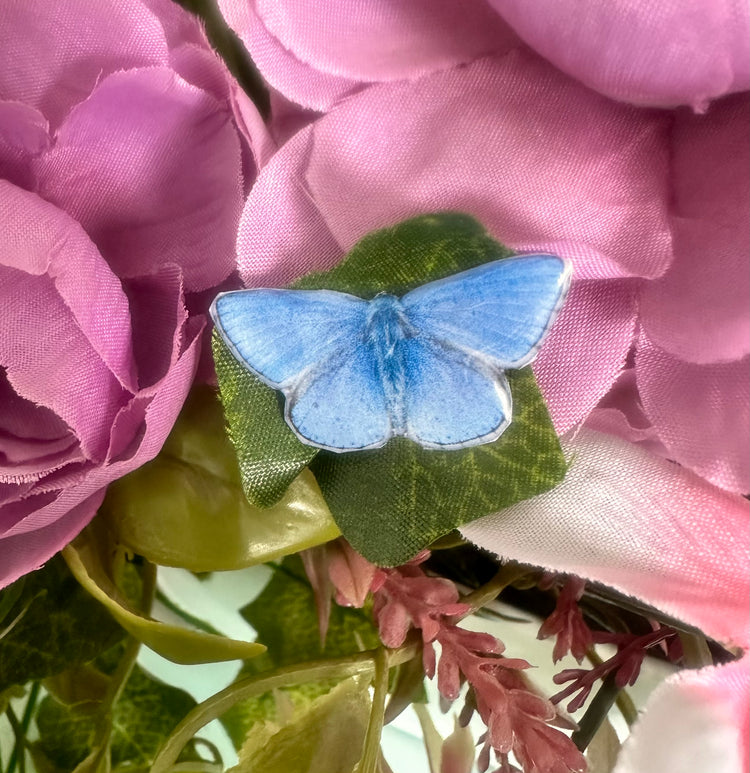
(623, 701)
(695, 650)
(488, 592)
(318, 670)
(18, 755)
(369, 761)
(596, 713)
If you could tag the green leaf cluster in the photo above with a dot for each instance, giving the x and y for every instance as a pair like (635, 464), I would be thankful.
(285, 618)
(394, 501)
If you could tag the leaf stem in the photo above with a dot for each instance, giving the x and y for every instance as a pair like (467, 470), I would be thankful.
(369, 761)
(695, 650)
(596, 713)
(507, 574)
(317, 670)
(623, 701)
(18, 755)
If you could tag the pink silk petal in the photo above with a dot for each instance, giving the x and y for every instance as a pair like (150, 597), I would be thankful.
(545, 164)
(24, 133)
(586, 349)
(282, 234)
(384, 41)
(67, 340)
(144, 198)
(59, 51)
(698, 309)
(281, 69)
(35, 440)
(694, 721)
(41, 241)
(158, 312)
(640, 524)
(43, 532)
(700, 412)
(597, 193)
(661, 54)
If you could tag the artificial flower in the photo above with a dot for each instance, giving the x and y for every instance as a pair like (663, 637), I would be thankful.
(122, 187)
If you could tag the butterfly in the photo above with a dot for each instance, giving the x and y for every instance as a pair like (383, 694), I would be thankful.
(428, 366)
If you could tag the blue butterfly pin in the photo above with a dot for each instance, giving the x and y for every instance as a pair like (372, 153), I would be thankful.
(428, 366)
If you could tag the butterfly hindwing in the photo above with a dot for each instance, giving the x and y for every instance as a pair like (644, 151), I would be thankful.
(451, 400)
(341, 405)
(279, 334)
(501, 310)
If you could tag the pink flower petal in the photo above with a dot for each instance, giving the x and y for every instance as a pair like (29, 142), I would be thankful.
(565, 171)
(144, 198)
(640, 524)
(68, 341)
(35, 440)
(545, 164)
(47, 529)
(698, 309)
(700, 412)
(23, 134)
(387, 41)
(661, 54)
(586, 349)
(281, 69)
(59, 51)
(694, 721)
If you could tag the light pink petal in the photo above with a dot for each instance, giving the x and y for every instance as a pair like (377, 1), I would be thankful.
(700, 412)
(565, 171)
(56, 52)
(586, 350)
(282, 235)
(661, 54)
(698, 310)
(385, 40)
(640, 524)
(45, 530)
(545, 164)
(23, 135)
(150, 166)
(694, 721)
(281, 69)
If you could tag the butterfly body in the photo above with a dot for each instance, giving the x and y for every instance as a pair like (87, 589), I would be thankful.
(428, 366)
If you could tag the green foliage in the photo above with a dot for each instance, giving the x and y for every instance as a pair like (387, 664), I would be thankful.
(186, 507)
(392, 502)
(61, 626)
(144, 715)
(269, 454)
(325, 736)
(285, 617)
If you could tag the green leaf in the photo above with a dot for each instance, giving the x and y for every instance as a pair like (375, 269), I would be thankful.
(186, 508)
(394, 501)
(325, 737)
(144, 715)
(87, 558)
(286, 620)
(269, 455)
(62, 626)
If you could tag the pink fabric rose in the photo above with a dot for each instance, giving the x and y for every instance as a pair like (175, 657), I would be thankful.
(645, 53)
(650, 207)
(121, 190)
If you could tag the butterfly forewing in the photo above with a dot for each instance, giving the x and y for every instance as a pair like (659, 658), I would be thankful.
(279, 334)
(501, 310)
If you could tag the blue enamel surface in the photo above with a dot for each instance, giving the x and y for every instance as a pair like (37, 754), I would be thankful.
(428, 366)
